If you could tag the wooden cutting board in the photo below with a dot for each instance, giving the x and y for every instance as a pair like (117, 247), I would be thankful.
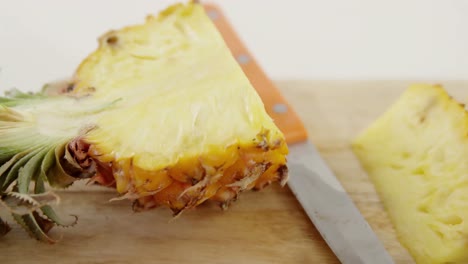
(261, 227)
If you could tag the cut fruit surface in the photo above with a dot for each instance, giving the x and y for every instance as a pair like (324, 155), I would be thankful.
(161, 111)
(417, 156)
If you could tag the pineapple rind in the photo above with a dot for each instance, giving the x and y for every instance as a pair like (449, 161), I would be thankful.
(416, 154)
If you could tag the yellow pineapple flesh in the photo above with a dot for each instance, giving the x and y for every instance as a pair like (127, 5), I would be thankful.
(416, 154)
(161, 111)
(191, 126)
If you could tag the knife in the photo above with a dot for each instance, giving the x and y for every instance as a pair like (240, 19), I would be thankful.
(317, 189)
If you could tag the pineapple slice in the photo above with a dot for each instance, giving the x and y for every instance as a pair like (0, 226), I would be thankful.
(416, 154)
(161, 111)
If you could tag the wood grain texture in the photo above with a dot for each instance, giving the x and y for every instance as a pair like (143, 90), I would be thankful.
(261, 227)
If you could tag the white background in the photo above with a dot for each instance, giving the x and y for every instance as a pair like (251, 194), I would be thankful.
(309, 39)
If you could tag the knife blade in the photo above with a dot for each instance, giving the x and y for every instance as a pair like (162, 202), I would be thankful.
(319, 192)
(331, 210)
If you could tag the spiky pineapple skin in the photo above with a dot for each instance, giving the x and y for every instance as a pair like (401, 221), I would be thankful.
(416, 154)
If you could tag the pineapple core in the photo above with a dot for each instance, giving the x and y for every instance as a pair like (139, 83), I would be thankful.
(416, 154)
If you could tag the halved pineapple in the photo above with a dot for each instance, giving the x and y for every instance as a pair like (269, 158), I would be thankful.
(162, 111)
(417, 156)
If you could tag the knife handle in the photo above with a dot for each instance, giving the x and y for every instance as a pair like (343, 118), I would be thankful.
(276, 105)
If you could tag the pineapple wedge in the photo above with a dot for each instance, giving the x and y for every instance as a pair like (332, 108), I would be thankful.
(416, 154)
(161, 111)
